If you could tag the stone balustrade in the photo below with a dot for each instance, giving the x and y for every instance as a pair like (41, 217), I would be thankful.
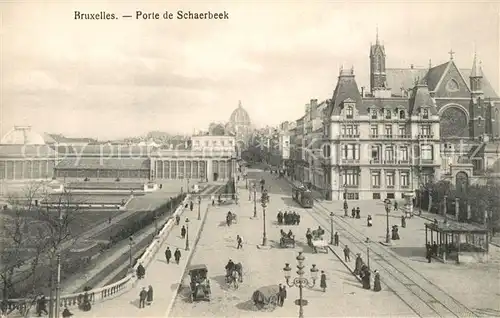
(112, 290)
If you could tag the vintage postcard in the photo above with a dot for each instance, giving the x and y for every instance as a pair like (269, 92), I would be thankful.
(249, 158)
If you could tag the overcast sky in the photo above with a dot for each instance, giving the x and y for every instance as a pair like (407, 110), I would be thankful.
(117, 78)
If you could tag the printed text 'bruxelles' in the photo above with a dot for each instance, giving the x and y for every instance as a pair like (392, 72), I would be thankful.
(167, 15)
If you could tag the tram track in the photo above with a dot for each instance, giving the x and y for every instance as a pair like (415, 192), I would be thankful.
(421, 295)
(401, 278)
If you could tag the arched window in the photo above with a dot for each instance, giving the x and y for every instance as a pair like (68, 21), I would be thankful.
(425, 113)
(402, 114)
(374, 113)
(388, 114)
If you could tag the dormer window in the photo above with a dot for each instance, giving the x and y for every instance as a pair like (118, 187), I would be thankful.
(402, 114)
(388, 114)
(374, 114)
(425, 114)
(349, 112)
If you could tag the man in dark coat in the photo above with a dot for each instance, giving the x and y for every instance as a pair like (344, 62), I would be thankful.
(168, 254)
(353, 213)
(322, 281)
(298, 219)
(282, 293)
(347, 254)
(280, 302)
(285, 218)
(229, 266)
(358, 213)
(141, 271)
(428, 252)
(346, 208)
(183, 232)
(42, 306)
(142, 297)
(177, 255)
(336, 239)
(403, 221)
(191, 205)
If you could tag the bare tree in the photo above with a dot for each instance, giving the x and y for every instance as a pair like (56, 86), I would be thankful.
(45, 230)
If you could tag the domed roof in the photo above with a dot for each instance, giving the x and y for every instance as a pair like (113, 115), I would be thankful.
(22, 136)
(240, 116)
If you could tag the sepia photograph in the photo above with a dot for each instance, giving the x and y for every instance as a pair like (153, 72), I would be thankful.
(248, 158)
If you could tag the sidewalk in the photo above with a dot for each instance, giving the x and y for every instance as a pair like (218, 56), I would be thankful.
(163, 277)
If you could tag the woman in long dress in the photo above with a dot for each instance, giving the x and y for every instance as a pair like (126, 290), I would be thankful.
(376, 282)
(149, 297)
(322, 281)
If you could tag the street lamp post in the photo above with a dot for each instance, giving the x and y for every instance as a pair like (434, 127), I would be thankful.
(187, 234)
(264, 205)
(187, 190)
(155, 217)
(199, 207)
(130, 245)
(387, 210)
(300, 281)
(254, 200)
(345, 200)
(331, 227)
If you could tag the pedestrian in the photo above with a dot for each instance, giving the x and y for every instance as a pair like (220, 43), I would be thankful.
(336, 239)
(177, 219)
(403, 221)
(280, 303)
(183, 231)
(322, 281)
(42, 306)
(66, 313)
(142, 297)
(353, 213)
(109, 220)
(177, 255)
(283, 295)
(358, 211)
(298, 219)
(365, 277)
(376, 282)
(395, 205)
(239, 240)
(347, 254)
(428, 252)
(168, 254)
(346, 208)
(213, 199)
(149, 296)
(141, 271)
(359, 264)
(369, 221)
(191, 205)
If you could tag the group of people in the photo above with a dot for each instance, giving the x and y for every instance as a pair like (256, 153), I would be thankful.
(177, 255)
(287, 235)
(145, 297)
(363, 271)
(288, 218)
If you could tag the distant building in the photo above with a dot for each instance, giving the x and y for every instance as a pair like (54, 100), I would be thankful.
(240, 125)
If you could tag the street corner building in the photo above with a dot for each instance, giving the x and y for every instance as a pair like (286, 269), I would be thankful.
(412, 126)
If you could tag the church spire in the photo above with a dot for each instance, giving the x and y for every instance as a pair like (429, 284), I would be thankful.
(476, 71)
(377, 42)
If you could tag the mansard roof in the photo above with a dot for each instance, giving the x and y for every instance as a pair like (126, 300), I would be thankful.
(421, 97)
(346, 88)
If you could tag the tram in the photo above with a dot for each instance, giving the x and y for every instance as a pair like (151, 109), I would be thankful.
(303, 196)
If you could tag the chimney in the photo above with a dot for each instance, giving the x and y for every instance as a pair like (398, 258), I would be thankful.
(363, 91)
(411, 66)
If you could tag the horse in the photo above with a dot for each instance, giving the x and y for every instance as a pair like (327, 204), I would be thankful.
(234, 277)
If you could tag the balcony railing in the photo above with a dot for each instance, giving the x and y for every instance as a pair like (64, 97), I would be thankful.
(387, 136)
(376, 186)
(375, 161)
(403, 136)
(404, 162)
(390, 186)
(426, 136)
(426, 161)
(405, 186)
(350, 135)
(374, 136)
(390, 162)
(349, 161)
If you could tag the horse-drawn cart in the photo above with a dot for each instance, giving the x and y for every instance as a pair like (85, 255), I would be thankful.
(199, 286)
(266, 297)
(231, 218)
